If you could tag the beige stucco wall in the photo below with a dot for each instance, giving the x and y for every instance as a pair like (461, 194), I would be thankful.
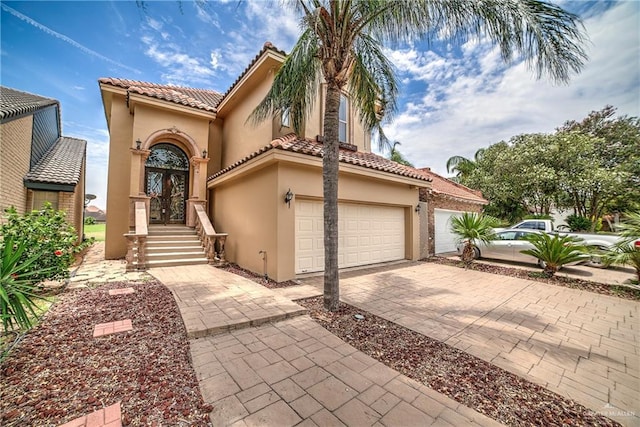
(119, 182)
(246, 208)
(241, 137)
(15, 154)
(251, 209)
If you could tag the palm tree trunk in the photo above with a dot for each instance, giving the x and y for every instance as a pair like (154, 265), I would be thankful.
(330, 186)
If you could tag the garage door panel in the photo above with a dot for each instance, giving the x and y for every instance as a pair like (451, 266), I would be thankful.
(367, 234)
(445, 239)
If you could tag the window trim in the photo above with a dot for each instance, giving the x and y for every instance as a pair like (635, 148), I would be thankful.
(344, 122)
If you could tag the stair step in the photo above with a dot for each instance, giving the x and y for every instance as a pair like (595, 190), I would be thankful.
(173, 237)
(173, 243)
(197, 247)
(175, 255)
(173, 263)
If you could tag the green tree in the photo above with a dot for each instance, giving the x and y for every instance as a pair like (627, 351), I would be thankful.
(472, 228)
(555, 250)
(340, 49)
(462, 166)
(397, 157)
(616, 147)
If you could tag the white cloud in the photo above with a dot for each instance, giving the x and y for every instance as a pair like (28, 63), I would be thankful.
(474, 101)
(178, 67)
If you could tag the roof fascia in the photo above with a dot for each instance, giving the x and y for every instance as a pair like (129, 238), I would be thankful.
(275, 155)
(161, 103)
(49, 186)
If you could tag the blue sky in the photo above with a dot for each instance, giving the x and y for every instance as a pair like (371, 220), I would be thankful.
(453, 99)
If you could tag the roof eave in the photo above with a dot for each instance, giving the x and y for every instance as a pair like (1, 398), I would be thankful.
(166, 104)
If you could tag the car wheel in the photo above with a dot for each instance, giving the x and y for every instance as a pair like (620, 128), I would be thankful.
(476, 253)
(542, 264)
(597, 259)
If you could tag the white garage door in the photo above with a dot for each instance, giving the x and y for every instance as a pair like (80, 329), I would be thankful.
(445, 240)
(367, 234)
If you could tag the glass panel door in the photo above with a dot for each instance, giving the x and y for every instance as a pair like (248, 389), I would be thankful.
(154, 191)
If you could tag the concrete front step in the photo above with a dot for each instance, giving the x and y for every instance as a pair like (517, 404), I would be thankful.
(177, 256)
(162, 249)
(176, 262)
(173, 245)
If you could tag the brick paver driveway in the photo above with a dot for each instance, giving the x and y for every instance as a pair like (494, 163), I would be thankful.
(579, 344)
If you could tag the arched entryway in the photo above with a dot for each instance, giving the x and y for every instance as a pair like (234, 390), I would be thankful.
(167, 184)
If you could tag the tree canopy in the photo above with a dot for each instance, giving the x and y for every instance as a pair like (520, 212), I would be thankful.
(591, 166)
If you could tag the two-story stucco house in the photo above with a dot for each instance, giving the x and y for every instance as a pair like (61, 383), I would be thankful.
(37, 163)
(176, 148)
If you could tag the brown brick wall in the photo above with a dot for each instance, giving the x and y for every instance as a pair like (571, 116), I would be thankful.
(15, 154)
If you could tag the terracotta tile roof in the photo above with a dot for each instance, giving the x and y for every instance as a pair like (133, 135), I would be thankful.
(14, 103)
(294, 144)
(62, 164)
(203, 99)
(441, 185)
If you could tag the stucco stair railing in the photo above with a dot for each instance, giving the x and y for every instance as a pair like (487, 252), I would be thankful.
(137, 240)
(210, 238)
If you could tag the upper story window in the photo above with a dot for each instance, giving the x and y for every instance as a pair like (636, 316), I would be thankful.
(343, 129)
(285, 120)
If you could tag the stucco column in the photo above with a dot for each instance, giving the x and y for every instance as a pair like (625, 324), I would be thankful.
(137, 170)
(198, 185)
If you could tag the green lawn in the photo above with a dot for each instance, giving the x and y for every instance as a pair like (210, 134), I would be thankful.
(96, 231)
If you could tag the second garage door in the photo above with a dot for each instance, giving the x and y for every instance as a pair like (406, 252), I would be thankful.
(445, 240)
(368, 234)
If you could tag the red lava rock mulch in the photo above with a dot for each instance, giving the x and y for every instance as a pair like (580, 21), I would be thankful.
(59, 372)
(488, 389)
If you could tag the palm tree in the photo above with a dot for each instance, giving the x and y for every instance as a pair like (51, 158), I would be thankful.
(462, 166)
(472, 228)
(554, 251)
(397, 156)
(625, 251)
(341, 47)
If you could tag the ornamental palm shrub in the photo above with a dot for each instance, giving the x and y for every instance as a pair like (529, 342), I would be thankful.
(624, 252)
(472, 228)
(46, 235)
(555, 250)
(17, 286)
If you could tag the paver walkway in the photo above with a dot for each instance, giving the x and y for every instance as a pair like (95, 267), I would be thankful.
(292, 371)
(213, 301)
(579, 344)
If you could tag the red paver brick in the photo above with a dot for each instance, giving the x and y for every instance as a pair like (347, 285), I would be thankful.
(121, 291)
(112, 327)
(111, 416)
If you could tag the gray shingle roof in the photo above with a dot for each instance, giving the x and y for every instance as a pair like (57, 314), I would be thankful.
(15, 103)
(61, 165)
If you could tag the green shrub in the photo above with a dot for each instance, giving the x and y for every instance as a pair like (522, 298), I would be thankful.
(578, 223)
(472, 228)
(17, 286)
(555, 251)
(89, 220)
(46, 235)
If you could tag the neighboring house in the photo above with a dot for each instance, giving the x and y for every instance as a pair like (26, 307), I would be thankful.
(444, 200)
(174, 148)
(37, 163)
(96, 213)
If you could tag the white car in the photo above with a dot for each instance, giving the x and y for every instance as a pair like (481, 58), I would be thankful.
(506, 245)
